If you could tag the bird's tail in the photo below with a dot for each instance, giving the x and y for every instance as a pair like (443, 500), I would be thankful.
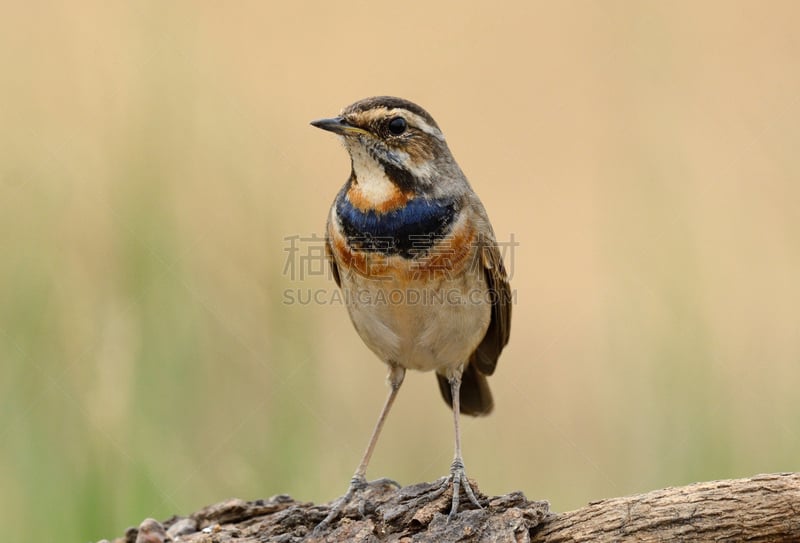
(475, 398)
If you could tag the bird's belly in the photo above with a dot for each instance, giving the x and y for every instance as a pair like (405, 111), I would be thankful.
(421, 325)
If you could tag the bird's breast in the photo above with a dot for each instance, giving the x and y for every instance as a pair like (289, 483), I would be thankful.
(410, 229)
(423, 240)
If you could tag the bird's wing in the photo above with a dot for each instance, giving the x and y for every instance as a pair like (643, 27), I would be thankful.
(332, 262)
(485, 356)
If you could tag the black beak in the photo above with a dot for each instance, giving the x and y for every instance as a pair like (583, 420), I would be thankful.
(337, 125)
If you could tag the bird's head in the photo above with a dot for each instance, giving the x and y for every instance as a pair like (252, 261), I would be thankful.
(392, 139)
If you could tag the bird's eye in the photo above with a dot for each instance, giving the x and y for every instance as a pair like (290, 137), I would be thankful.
(397, 126)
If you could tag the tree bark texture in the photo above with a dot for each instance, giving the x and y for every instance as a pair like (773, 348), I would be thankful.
(758, 509)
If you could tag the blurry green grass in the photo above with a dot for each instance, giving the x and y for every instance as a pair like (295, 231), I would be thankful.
(138, 417)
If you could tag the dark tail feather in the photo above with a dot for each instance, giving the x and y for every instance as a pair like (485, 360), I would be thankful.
(475, 397)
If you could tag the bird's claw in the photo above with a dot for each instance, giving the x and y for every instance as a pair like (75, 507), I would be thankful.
(357, 486)
(457, 479)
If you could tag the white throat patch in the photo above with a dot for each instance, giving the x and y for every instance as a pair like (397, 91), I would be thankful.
(375, 186)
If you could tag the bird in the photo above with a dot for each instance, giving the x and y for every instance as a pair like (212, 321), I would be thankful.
(411, 246)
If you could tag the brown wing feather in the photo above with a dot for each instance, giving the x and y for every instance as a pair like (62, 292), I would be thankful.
(332, 262)
(489, 349)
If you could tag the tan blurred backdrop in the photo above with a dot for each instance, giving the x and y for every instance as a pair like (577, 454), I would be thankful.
(156, 156)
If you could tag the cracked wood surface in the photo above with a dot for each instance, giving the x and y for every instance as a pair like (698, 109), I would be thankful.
(758, 509)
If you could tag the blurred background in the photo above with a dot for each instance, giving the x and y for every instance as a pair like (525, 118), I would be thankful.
(160, 191)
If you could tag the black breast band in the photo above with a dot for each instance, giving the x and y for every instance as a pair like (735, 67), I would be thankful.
(408, 231)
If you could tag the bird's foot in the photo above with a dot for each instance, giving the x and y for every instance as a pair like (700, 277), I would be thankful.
(358, 486)
(457, 479)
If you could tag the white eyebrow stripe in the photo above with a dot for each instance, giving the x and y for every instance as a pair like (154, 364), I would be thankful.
(423, 125)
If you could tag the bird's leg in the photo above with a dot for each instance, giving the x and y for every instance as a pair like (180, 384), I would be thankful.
(458, 476)
(359, 480)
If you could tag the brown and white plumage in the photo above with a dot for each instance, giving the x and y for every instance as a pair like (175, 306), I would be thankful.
(407, 221)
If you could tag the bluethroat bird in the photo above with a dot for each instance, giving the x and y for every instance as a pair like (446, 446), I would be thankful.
(413, 251)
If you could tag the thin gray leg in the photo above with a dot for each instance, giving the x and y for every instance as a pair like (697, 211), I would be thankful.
(359, 480)
(457, 473)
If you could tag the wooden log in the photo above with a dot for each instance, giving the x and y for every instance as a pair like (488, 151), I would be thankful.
(764, 508)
